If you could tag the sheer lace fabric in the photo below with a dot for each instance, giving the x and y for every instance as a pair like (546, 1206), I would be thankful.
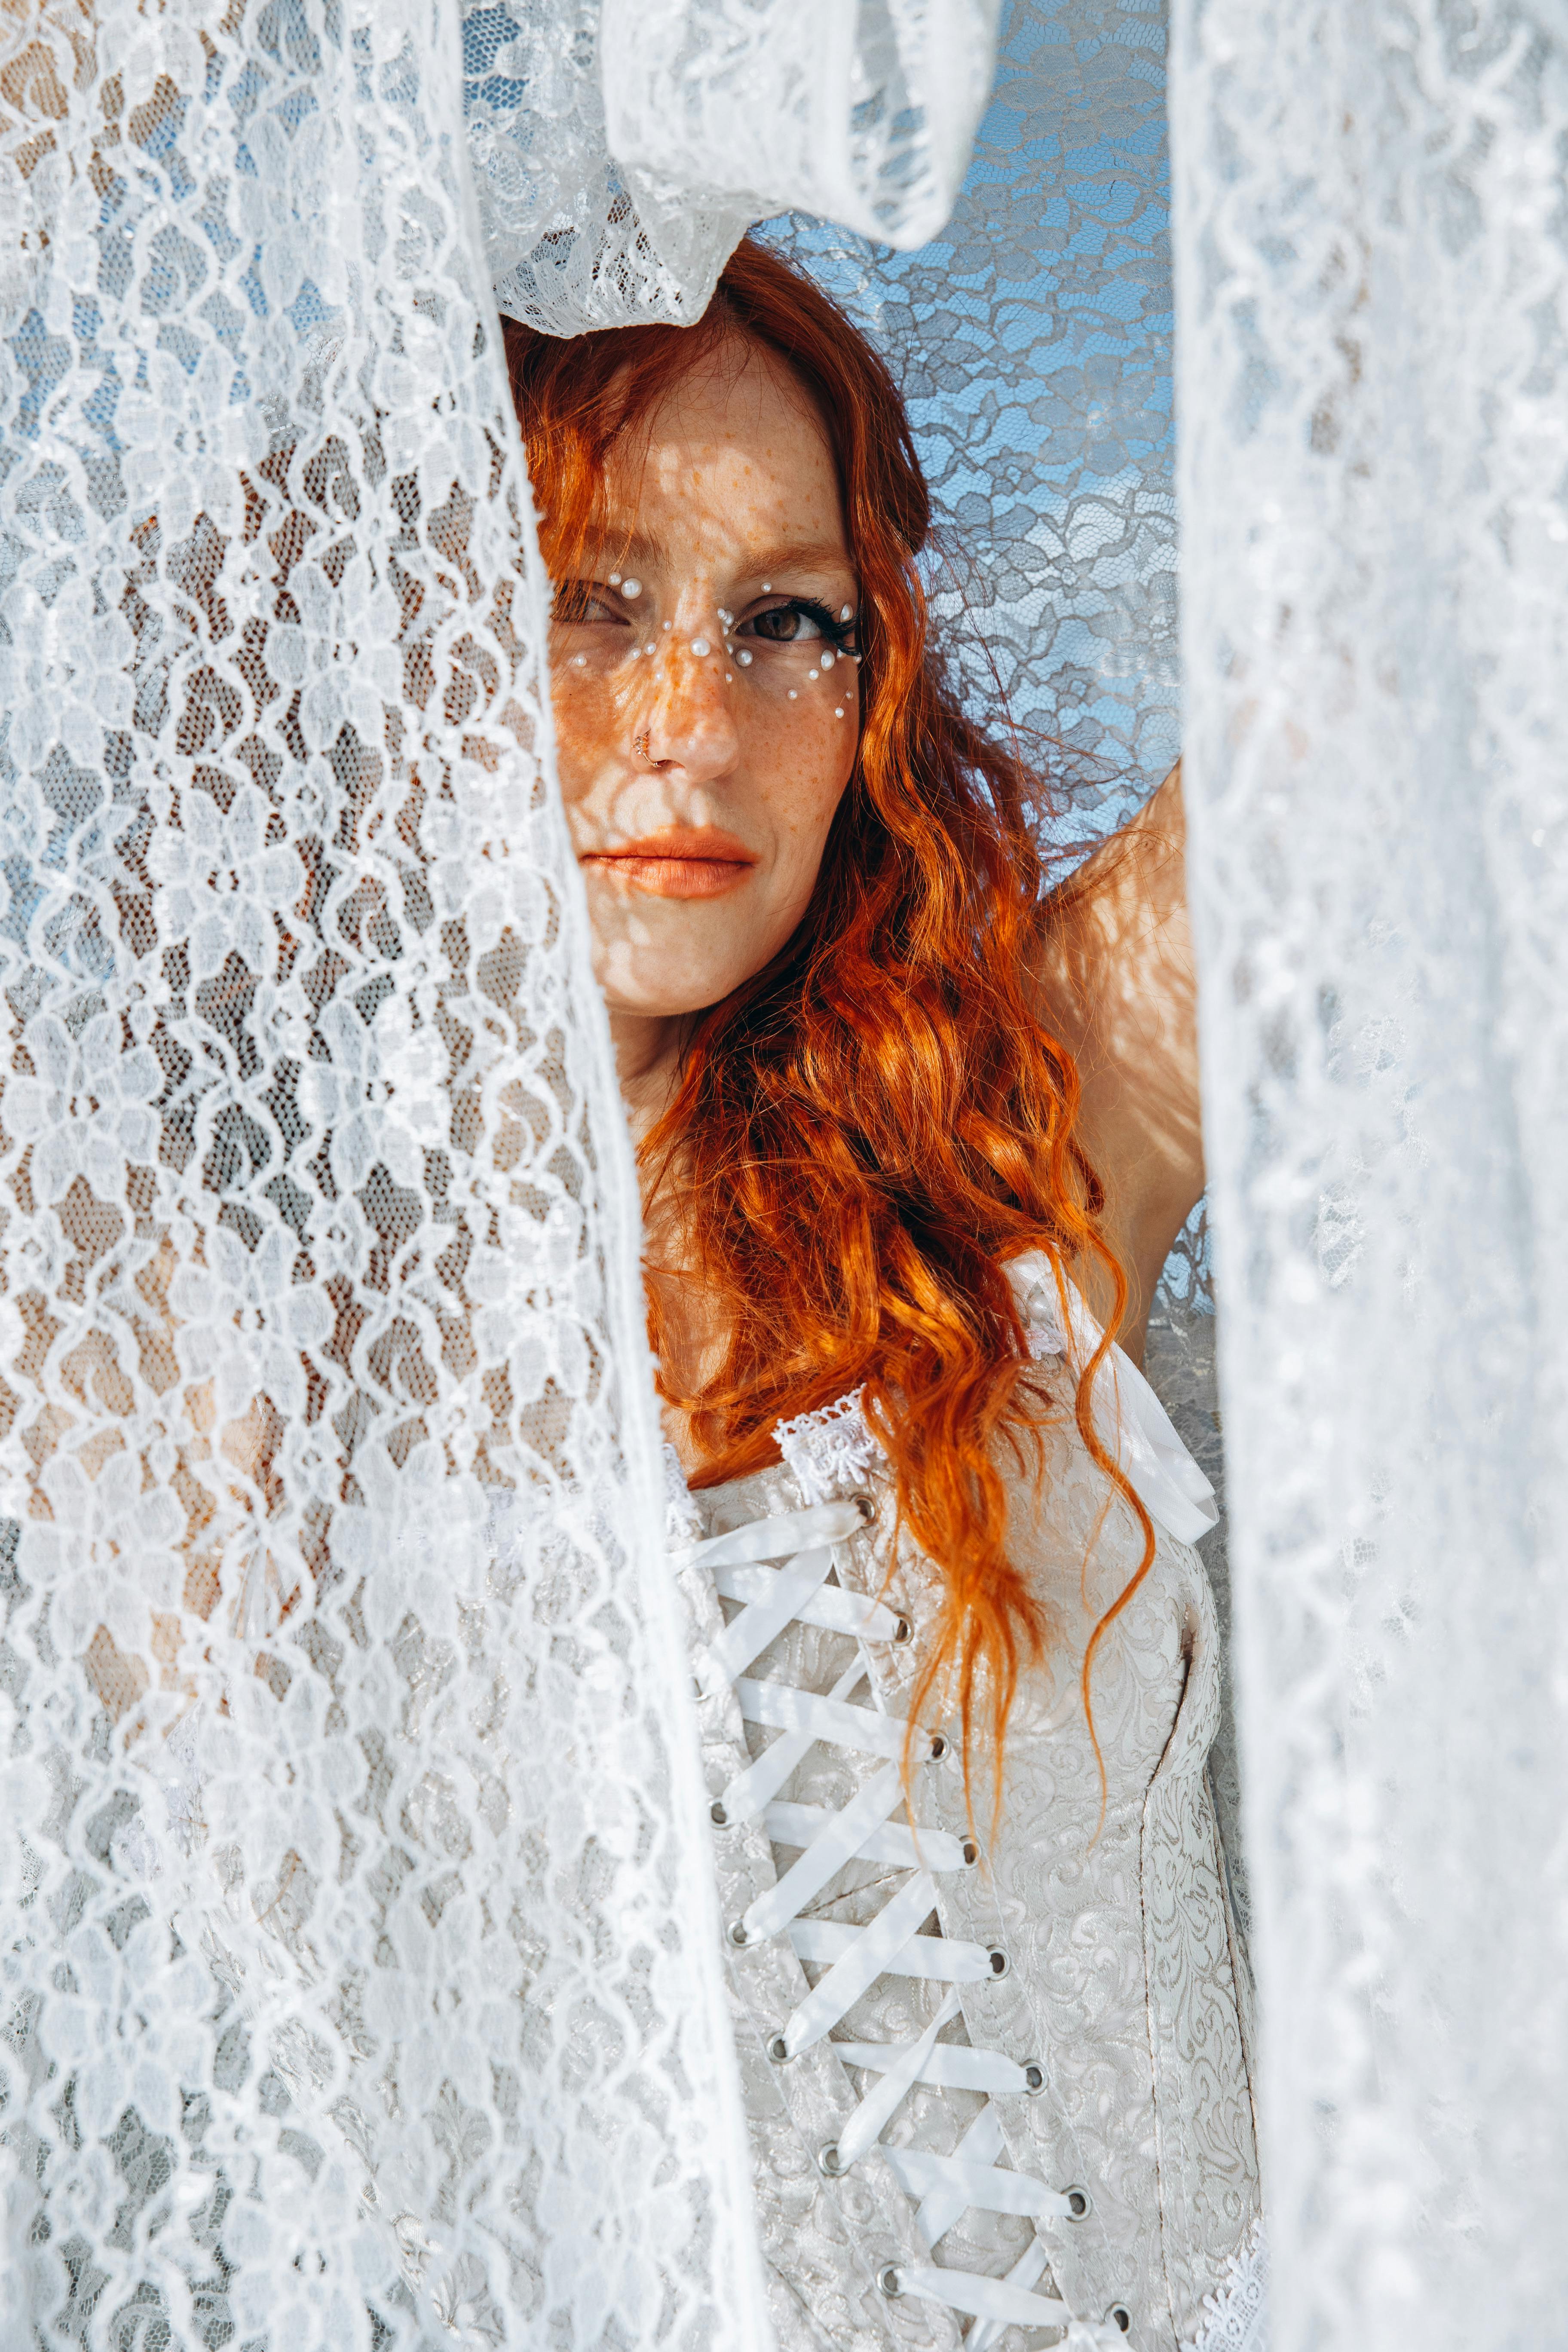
(621, 147)
(1032, 337)
(359, 1959)
(1373, 262)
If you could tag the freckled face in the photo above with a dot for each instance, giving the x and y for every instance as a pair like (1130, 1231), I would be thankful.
(705, 690)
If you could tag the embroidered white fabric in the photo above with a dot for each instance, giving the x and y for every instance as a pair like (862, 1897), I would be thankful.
(1372, 336)
(360, 1955)
(1090, 1960)
(621, 147)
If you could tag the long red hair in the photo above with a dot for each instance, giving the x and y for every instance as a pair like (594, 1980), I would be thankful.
(867, 1130)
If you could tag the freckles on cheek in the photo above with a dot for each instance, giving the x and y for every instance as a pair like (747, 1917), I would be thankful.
(590, 723)
(802, 759)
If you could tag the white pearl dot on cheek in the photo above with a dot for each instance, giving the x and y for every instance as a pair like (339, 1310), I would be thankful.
(792, 695)
(699, 646)
(631, 587)
(838, 714)
(744, 658)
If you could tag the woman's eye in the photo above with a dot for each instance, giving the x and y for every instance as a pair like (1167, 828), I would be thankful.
(580, 599)
(801, 622)
(783, 625)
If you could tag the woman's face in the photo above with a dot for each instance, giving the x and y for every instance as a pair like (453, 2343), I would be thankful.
(705, 690)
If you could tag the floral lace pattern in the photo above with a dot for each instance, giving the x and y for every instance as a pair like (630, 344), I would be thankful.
(621, 147)
(360, 1968)
(1372, 379)
(1236, 2316)
(830, 1451)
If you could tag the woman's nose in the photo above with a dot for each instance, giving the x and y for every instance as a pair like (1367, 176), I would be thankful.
(687, 717)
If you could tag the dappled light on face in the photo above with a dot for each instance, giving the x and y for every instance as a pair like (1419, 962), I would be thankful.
(707, 723)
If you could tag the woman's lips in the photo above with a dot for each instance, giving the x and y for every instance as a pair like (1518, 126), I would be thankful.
(685, 861)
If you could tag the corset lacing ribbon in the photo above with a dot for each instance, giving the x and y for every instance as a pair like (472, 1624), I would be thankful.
(944, 2187)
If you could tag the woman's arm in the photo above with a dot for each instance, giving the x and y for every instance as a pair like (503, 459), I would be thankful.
(1116, 971)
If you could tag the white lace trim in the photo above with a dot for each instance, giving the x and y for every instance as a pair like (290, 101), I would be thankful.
(1235, 2315)
(830, 1450)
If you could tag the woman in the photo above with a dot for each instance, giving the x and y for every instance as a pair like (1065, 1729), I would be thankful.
(902, 1111)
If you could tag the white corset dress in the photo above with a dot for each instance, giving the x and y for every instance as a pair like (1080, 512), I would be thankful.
(995, 2097)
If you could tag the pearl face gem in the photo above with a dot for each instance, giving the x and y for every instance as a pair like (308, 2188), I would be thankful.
(792, 695)
(845, 615)
(614, 579)
(744, 658)
(631, 587)
(699, 645)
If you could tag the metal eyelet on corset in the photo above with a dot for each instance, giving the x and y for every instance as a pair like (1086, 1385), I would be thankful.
(971, 1854)
(903, 1631)
(938, 1748)
(829, 2161)
(777, 2048)
(1000, 1963)
(737, 1932)
(718, 1816)
(1034, 2077)
(889, 2281)
(1120, 2316)
(1079, 2203)
(865, 1505)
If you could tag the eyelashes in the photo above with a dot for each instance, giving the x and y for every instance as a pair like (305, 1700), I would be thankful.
(582, 600)
(796, 621)
(838, 634)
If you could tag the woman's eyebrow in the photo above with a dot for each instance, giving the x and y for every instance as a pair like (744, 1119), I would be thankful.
(819, 555)
(635, 554)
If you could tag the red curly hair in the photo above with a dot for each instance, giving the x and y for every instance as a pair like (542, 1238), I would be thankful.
(868, 1129)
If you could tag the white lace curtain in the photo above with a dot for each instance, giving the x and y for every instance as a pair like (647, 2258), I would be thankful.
(359, 1948)
(1372, 271)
